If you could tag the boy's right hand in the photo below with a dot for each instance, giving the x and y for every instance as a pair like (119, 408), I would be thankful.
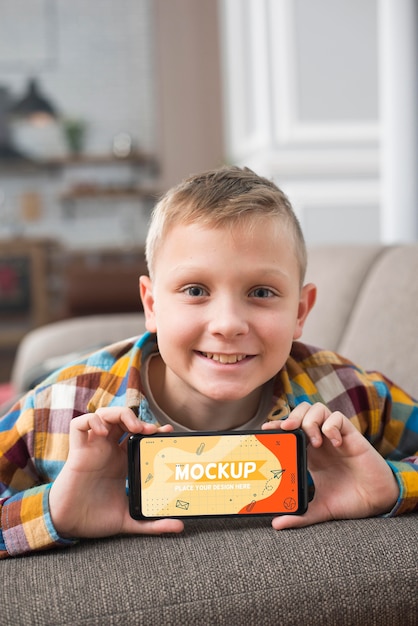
(88, 497)
(352, 480)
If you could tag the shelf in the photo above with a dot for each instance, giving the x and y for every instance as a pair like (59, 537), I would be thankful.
(136, 158)
(84, 160)
(109, 193)
(20, 166)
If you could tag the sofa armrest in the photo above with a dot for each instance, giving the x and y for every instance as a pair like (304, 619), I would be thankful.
(225, 571)
(61, 342)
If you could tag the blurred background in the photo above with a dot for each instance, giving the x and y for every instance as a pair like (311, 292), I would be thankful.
(104, 104)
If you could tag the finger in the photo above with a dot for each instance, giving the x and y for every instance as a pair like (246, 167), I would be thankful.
(107, 425)
(121, 416)
(309, 417)
(291, 421)
(314, 515)
(103, 421)
(86, 422)
(109, 422)
(341, 431)
(167, 428)
(273, 425)
(83, 425)
(292, 521)
(145, 428)
(296, 416)
(335, 426)
(123, 420)
(157, 527)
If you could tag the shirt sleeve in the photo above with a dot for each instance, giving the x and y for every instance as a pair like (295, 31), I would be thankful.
(34, 439)
(395, 436)
(406, 473)
(384, 413)
(26, 523)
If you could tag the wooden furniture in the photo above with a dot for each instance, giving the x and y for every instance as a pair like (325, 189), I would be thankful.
(23, 288)
(102, 281)
(42, 282)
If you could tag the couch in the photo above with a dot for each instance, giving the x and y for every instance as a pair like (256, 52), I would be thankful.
(232, 571)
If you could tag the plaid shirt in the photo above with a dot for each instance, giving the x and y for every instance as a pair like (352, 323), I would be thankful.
(34, 435)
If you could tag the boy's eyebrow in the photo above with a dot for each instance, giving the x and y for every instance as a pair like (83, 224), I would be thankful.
(267, 271)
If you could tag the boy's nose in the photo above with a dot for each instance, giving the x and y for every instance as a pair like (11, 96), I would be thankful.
(227, 319)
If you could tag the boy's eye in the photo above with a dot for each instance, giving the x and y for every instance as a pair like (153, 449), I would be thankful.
(261, 292)
(195, 291)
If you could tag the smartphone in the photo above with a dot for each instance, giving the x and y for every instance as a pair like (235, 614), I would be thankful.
(214, 474)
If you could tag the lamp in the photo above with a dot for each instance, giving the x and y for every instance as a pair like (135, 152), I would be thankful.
(36, 125)
(34, 105)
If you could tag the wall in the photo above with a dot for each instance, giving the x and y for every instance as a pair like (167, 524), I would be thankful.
(189, 96)
(147, 67)
(302, 107)
(95, 61)
(302, 104)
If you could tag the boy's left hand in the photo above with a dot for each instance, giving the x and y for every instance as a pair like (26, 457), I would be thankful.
(352, 480)
(88, 497)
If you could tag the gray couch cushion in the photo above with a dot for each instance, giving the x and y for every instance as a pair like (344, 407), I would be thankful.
(241, 572)
(382, 333)
(339, 273)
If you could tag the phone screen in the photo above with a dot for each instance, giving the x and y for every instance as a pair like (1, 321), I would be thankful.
(213, 474)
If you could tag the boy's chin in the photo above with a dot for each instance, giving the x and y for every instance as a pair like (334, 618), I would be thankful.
(233, 397)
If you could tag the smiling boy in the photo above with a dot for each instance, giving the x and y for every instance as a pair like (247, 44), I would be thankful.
(225, 303)
(226, 314)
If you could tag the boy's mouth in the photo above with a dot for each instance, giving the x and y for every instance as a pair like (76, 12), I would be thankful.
(224, 358)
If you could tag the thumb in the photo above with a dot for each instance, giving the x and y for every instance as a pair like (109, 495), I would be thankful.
(315, 514)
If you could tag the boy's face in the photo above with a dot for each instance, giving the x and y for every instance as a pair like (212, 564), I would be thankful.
(226, 304)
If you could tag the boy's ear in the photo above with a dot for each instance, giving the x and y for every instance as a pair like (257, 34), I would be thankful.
(145, 291)
(306, 303)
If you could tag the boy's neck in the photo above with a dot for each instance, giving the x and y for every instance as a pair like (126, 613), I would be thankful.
(197, 412)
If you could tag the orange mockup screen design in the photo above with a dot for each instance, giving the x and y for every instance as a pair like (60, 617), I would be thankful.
(218, 474)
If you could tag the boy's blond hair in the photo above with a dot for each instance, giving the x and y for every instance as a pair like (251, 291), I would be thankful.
(228, 195)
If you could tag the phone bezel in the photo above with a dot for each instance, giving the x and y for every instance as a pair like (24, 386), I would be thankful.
(134, 477)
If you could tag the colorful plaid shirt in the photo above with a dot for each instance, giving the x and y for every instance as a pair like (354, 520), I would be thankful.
(34, 435)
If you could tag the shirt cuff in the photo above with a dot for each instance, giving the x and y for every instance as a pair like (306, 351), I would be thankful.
(406, 475)
(27, 525)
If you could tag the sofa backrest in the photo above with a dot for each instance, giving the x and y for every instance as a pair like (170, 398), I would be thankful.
(367, 307)
(338, 273)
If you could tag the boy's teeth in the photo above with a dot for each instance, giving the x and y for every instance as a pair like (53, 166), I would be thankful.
(224, 358)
